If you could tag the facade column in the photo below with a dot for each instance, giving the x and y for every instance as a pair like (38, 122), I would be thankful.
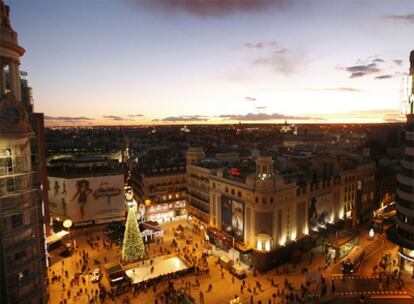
(2, 81)
(15, 79)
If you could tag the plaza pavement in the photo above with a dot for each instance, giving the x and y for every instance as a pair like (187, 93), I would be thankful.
(223, 290)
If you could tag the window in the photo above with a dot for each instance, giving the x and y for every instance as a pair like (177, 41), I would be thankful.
(9, 161)
(239, 193)
(21, 275)
(271, 200)
(19, 255)
(226, 190)
(16, 220)
(264, 201)
(10, 185)
(232, 191)
(257, 199)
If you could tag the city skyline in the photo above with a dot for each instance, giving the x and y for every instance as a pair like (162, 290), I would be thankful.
(209, 62)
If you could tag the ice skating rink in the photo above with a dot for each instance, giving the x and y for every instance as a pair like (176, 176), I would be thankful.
(162, 266)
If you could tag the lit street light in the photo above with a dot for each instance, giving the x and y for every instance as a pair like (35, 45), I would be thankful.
(67, 224)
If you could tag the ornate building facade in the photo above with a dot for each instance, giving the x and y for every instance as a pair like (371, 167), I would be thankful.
(22, 244)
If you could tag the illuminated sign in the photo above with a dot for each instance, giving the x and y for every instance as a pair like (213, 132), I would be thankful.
(234, 171)
(105, 190)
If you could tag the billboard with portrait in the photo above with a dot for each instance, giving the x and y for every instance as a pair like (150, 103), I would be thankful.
(232, 217)
(86, 199)
(320, 211)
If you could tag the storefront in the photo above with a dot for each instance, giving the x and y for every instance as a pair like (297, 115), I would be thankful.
(406, 259)
(164, 212)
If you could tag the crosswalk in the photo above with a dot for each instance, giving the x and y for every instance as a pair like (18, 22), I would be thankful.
(353, 277)
(371, 293)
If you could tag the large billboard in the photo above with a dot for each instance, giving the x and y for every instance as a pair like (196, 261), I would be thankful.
(232, 217)
(88, 198)
(320, 211)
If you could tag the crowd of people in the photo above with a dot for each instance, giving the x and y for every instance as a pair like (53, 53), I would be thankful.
(282, 287)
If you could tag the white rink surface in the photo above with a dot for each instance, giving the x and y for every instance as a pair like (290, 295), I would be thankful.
(162, 266)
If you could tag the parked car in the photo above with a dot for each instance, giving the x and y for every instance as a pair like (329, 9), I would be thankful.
(96, 275)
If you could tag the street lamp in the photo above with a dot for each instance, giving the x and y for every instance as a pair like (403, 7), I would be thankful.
(371, 233)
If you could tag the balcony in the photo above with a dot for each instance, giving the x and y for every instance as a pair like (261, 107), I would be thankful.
(24, 264)
(16, 183)
(199, 197)
(15, 286)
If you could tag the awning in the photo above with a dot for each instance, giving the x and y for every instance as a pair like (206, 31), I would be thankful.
(56, 237)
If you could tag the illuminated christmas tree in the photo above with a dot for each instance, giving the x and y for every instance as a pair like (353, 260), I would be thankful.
(133, 248)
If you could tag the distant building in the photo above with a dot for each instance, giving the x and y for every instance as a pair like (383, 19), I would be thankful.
(266, 208)
(160, 191)
(199, 170)
(86, 190)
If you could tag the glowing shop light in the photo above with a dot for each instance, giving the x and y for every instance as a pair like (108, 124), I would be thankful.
(267, 245)
(259, 245)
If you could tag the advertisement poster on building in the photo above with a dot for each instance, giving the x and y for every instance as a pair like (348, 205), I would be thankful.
(88, 199)
(232, 215)
(320, 211)
(237, 219)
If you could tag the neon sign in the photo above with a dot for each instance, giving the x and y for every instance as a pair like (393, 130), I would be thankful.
(234, 171)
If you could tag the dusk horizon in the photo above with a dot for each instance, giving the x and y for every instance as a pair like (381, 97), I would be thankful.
(206, 151)
(185, 62)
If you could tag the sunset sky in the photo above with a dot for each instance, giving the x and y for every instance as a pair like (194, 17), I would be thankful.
(135, 62)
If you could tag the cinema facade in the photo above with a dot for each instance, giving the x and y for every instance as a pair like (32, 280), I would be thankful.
(262, 217)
